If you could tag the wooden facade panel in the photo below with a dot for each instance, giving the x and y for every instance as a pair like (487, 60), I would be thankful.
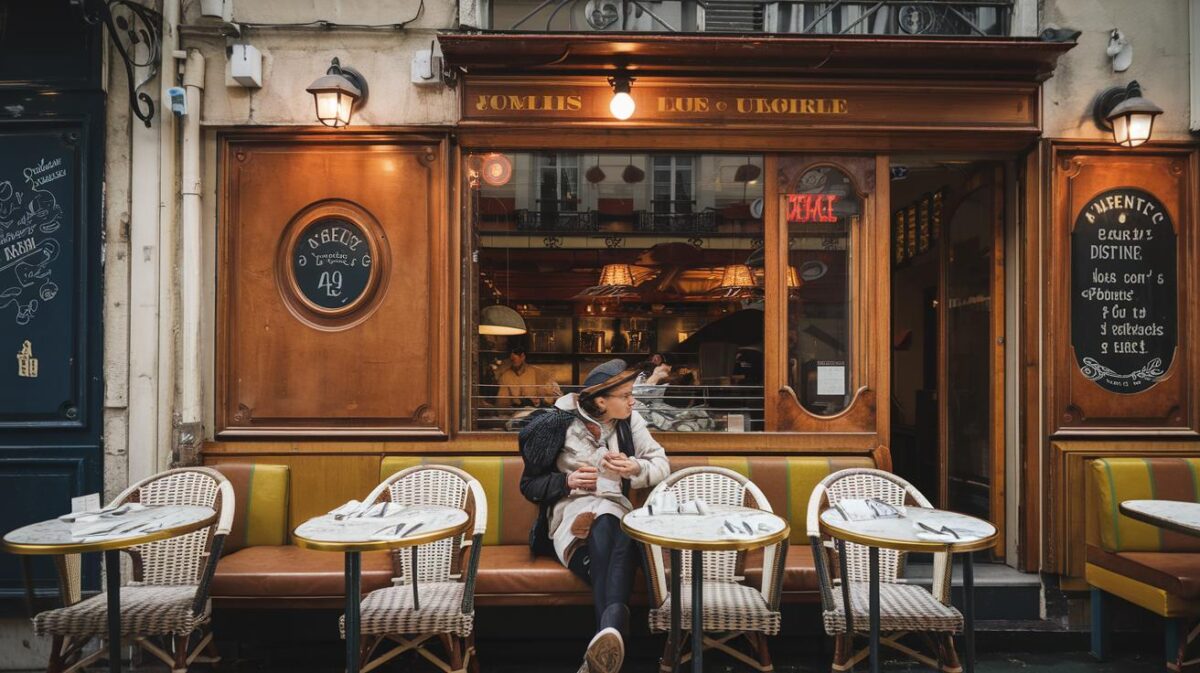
(363, 215)
(1086, 395)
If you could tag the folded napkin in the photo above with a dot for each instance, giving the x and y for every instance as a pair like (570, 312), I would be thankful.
(351, 507)
(866, 509)
(742, 528)
(670, 505)
(106, 513)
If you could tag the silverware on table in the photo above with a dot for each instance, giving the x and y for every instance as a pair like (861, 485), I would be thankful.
(749, 530)
(730, 527)
(414, 528)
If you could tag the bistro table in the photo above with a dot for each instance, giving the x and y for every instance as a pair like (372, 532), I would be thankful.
(1176, 515)
(407, 527)
(699, 533)
(153, 523)
(904, 534)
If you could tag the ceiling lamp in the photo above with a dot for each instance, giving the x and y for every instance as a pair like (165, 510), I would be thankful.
(736, 277)
(747, 173)
(500, 320)
(337, 92)
(616, 275)
(621, 105)
(793, 279)
(1127, 114)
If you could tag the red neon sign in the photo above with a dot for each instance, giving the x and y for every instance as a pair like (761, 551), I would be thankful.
(809, 208)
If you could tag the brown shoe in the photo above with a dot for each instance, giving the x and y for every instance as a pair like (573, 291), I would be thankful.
(606, 652)
(582, 525)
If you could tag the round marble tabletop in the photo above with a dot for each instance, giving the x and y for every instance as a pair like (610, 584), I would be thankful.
(1180, 516)
(408, 527)
(906, 532)
(708, 532)
(132, 528)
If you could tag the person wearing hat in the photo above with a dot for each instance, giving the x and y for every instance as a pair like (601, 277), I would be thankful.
(581, 460)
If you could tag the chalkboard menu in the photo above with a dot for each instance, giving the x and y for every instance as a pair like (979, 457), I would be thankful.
(1123, 290)
(332, 264)
(39, 187)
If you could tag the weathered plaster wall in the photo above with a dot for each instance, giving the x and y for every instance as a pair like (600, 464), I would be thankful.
(1158, 31)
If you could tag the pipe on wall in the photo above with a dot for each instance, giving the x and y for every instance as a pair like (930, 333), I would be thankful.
(190, 242)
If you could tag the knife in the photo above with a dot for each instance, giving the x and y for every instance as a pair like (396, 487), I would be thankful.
(410, 530)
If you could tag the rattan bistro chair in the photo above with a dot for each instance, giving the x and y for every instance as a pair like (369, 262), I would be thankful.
(731, 608)
(446, 588)
(166, 603)
(904, 609)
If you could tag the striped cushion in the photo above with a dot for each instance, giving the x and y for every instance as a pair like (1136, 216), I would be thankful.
(1115, 480)
(260, 504)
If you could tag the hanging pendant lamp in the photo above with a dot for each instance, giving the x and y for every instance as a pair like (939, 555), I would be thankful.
(500, 320)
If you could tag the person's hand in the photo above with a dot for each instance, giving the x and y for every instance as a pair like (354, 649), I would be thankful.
(584, 478)
(622, 464)
(659, 374)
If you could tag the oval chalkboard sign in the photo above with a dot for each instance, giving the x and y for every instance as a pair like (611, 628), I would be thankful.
(331, 262)
(1123, 290)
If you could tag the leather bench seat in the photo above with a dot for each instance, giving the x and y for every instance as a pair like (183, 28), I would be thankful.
(1177, 573)
(268, 576)
(799, 574)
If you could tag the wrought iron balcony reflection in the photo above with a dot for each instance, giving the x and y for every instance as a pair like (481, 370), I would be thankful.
(804, 17)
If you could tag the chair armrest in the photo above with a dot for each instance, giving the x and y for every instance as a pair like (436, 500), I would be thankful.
(824, 583)
(774, 562)
(210, 568)
(70, 585)
(468, 604)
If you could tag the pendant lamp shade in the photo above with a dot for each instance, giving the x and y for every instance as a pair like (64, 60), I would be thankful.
(746, 173)
(793, 278)
(500, 320)
(616, 275)
(736, 277)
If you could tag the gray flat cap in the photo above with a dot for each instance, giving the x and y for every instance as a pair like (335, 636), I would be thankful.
(604, 372)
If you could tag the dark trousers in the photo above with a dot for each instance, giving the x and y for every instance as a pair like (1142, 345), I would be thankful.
(607, 563)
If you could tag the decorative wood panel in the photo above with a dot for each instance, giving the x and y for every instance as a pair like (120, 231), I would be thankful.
(1113, 212)
(334, 285)
(35, 486)
(1065, 546)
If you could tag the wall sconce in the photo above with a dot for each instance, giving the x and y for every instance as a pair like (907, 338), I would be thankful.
(1127, 114)
(337, 92)
(621, 105)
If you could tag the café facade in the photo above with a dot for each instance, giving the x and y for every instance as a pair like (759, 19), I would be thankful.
(914, 248)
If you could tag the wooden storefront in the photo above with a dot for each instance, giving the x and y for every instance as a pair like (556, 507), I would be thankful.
(328, 388)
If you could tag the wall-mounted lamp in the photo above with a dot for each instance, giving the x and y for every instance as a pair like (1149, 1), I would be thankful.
(1127, 114)
(621, 105)
(337, 93)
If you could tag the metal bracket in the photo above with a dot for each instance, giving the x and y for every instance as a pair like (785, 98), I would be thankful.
(136, 33)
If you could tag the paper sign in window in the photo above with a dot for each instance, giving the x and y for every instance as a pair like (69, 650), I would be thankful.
(831, 380)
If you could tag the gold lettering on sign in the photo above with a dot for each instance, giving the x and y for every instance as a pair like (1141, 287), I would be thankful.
(528, 103)
(792, 106)
(27, 365)
(683, 103)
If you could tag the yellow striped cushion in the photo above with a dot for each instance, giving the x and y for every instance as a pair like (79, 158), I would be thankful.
(1115, 480)
(260, 493)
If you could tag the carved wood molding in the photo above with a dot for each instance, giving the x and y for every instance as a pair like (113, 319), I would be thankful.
(859, 416)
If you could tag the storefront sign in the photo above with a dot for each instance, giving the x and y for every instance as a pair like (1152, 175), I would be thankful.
(811, 208)
(332, 264)
(1123, 292)
(521, 101)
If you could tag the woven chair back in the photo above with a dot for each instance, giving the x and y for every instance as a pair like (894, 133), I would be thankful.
(178, 561)
(431, 485)
(715, 486)
(866, 483)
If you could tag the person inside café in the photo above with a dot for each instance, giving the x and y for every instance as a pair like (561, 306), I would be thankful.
(581, 460)
(525, 385)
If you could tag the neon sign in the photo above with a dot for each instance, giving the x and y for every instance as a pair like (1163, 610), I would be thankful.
(810, 208)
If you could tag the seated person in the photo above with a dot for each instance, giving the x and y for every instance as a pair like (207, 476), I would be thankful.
(525, 385)
(661, 411)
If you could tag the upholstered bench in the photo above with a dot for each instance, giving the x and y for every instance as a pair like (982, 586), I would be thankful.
(261, 569)
(1148, 566)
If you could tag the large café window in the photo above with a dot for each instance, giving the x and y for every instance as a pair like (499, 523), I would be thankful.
(638, 256)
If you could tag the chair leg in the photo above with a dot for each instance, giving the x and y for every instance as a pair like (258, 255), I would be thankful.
(56, 656)
(180, 646)
(758, 642)
(1175, 634)
(472, 655)
(1100, 639)
(667, 663)
(843, 651)
(949, 658)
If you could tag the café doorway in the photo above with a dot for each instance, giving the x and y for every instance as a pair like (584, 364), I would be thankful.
(947, 232)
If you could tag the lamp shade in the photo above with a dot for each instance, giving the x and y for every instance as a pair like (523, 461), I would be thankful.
(616, 275)
(746, 173)
(1133, 121)
(793, 278)
(500, 320)
(736, 277)
(336, 93)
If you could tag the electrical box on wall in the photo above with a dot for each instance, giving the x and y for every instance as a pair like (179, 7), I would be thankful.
(245, 65)
(426, 67)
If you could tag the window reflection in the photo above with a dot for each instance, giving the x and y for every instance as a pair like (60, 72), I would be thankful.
(822, 210)
(633, 255)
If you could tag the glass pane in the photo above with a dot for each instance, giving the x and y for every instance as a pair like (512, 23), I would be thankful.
(822, 215)
(636, 255)
(968, 345)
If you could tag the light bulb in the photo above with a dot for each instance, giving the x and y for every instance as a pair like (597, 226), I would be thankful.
(622, 105)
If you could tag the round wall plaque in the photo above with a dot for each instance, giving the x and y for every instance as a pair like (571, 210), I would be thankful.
(332, 263)
(1124, 306)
